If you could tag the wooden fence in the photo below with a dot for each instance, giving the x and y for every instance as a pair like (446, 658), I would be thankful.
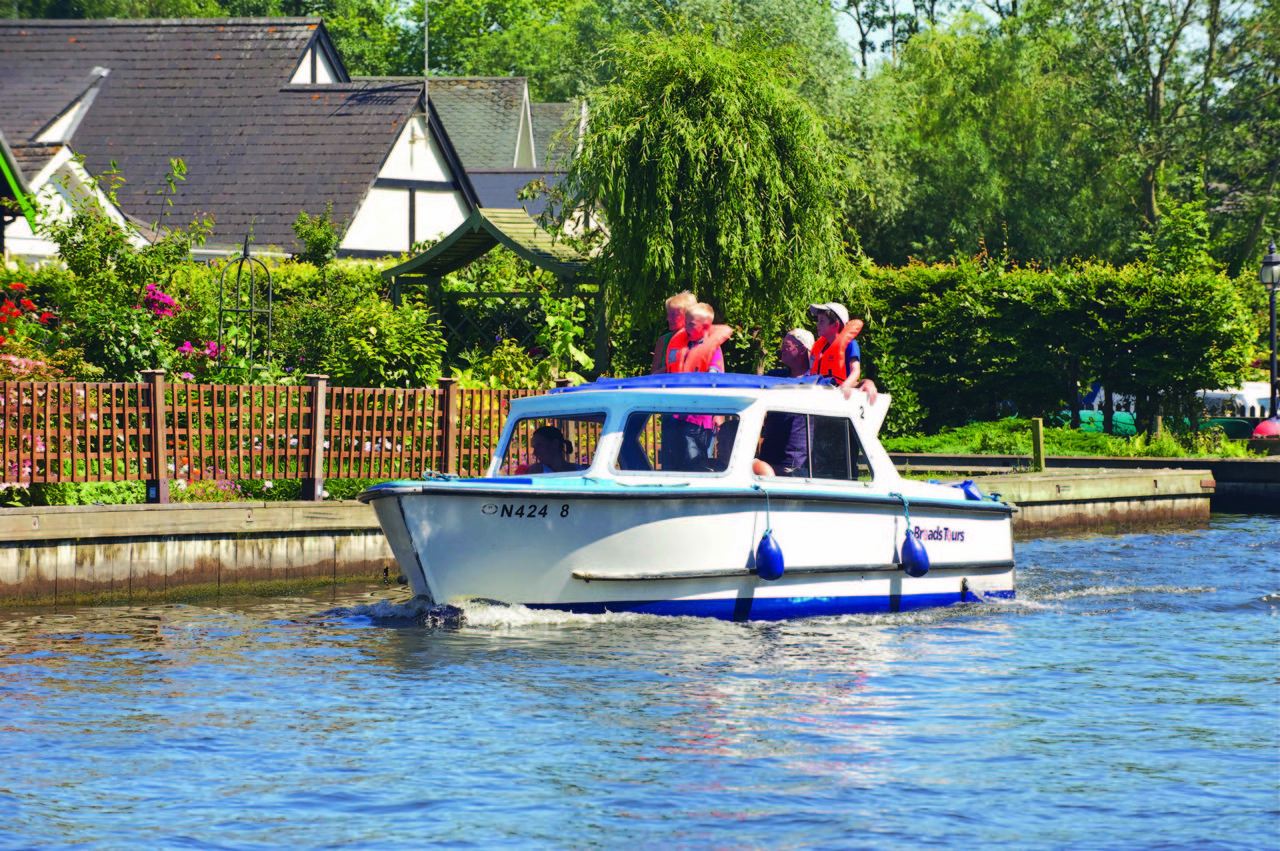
(82, 432)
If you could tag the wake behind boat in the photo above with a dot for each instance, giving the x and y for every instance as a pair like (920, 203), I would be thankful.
(661, 506)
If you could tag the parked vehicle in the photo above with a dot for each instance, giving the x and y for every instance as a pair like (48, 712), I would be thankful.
(1250, 399)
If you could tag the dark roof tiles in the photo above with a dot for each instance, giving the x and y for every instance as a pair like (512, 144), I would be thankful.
(482, 115)
(216, 94)
(549, 119)
(31, 158)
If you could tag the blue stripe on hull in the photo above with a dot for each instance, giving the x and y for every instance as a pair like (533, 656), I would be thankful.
(770, 608)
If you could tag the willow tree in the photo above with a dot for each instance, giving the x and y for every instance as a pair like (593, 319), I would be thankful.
(711, 175)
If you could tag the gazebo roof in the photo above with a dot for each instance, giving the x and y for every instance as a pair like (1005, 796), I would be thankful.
(485, 228)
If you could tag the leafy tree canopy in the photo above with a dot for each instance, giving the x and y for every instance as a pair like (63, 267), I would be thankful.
(714, 176)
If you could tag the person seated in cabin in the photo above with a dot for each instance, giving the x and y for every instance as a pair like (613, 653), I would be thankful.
(690, 440)
(784, 437)
(550, 448)
(676, 306)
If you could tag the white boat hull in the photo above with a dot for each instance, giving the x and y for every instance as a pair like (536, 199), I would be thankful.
(680, 552)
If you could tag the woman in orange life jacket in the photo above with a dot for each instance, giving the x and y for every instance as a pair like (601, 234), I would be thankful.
(835, 353)
(689, 441)
(676, 306)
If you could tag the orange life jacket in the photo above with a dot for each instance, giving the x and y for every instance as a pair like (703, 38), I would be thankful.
(829, 359)
(681, 358)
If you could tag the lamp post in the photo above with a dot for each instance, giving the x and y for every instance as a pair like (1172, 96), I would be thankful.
(1269, 275)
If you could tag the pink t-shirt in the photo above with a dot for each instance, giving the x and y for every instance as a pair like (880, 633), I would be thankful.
(717, 365)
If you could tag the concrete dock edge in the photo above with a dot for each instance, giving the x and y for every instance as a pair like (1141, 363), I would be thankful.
(133, 553)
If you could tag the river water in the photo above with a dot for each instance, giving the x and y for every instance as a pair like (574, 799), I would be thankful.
(1128, 699)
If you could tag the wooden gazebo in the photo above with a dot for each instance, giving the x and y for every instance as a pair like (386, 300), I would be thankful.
(482, 231)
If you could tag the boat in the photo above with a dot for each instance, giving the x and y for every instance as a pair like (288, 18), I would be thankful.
(637, 522)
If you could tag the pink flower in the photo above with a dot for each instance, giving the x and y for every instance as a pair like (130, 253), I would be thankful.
(186, 376)
(186, 348)
(158, 303)
(213, 350)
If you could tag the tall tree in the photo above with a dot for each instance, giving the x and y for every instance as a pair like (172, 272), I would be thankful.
(1144, 80)
(1241, 135)
(558, 44)
(714, 176)
(974, 140)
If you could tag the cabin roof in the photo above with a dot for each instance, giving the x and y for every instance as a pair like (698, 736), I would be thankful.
(698, 381)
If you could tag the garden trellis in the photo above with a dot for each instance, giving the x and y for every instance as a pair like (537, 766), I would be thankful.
(245, 315)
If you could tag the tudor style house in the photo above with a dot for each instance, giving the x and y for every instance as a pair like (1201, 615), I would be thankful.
(268, 124)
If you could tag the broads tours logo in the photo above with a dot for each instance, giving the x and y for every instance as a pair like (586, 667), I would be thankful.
(939, 533)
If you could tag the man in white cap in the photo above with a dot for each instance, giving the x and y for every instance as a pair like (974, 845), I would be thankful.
(794, 354)
(835, 354)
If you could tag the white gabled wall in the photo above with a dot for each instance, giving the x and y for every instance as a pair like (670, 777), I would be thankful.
(525, 157)
(381, 221)
(60, 130)
(324, 73)
(64, 128)
(415, 155)
(61, 180)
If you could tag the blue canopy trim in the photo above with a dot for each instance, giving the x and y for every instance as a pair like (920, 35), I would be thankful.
(703, 380)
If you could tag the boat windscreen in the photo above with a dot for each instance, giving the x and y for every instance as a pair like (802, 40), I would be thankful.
(654, 442)
(544, 445)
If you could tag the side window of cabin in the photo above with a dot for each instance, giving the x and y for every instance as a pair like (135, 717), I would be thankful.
(659, 442)
(808, 446)
(834, 449)
(545, 445)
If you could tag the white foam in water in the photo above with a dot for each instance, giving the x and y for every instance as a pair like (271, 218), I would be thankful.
(1123, 591)
(479, 613)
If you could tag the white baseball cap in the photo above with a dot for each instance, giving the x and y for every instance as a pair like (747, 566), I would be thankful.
(837, 309)
(803, 336)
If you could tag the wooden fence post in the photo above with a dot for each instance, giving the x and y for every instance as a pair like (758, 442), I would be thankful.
(602, 365)
(1037, 444)
(158, 485)
(313, 485)
(449, 425)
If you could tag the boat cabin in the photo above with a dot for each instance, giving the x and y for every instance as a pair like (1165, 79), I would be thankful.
(699, 428)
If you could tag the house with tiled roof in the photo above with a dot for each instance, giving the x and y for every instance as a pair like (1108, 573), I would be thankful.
(42, 178)
(268, 124)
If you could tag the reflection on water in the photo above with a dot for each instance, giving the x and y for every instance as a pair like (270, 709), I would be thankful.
(1127, 699)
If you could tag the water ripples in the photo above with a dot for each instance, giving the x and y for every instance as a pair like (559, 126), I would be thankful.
(1127, 699)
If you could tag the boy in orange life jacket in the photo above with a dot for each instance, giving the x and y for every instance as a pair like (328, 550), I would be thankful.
(836, 353)
(676, 306)
(689, 442)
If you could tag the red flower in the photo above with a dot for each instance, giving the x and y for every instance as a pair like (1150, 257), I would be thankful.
(45, 317)
(2, 341)
(28, 304)
(17, 287)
